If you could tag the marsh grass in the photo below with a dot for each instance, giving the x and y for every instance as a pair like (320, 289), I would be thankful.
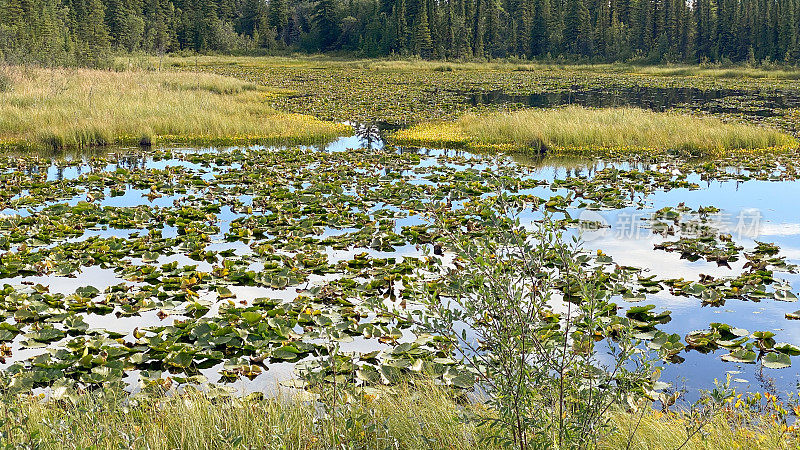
(78, 108)
(406, 64)
(575, 127)
(424, 416)
(657, 430)
(718, 72)
(405, 417)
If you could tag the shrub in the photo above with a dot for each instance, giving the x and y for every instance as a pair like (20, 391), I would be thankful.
(529, 316)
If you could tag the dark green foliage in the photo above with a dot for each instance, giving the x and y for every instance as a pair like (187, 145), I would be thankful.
(278, 14)
(66, 32)
(325, 23)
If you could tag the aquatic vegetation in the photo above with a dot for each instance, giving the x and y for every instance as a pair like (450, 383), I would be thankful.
(235, 264)
(67, 109)
(538, 131)
(517, 343)
(408, 92)
(139, 272)
(254, 257)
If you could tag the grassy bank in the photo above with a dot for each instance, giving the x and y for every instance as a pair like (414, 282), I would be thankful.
(408, 418)
(64, 108)
(576, 127)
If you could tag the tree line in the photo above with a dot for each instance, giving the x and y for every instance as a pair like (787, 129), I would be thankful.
(87, 31)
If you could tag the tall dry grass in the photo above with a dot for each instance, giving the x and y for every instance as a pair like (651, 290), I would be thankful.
(576, 127)
(407, 417)
(777, 72)
(719, 72)
(76, 108)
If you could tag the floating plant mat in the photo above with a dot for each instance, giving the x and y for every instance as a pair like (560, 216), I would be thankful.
(180, 266)
(405, 96)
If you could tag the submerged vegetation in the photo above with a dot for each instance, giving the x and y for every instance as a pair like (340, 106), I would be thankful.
(576, 127)
(72, 109)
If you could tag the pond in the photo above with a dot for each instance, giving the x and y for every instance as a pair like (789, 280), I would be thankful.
(234, 265)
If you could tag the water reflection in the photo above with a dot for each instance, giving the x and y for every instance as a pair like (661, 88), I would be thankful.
(781, 226)
(758, 103)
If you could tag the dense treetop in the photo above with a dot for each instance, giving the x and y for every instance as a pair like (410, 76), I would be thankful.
(86, 31)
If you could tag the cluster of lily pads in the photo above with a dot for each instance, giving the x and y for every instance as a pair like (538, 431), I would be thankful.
(218, 265)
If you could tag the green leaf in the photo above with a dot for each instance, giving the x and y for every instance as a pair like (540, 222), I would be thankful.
(741, 356)
(368, 374)
(776, 361)
(179, 359)
(789, 349)
(251, 317)
(785, 296)
(223, 292)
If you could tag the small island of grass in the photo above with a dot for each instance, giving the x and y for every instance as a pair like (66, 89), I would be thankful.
(575, 129)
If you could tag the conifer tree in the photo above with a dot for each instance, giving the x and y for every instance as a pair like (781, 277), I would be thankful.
(278, 12)
(423, 44)
(540, 29)
(325, 22)
(93, 34)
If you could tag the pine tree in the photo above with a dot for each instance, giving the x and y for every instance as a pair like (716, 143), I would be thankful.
(84, 31)
(643, 25)
(705, 29)
(726, 35)
(577, 28)
(477, 28)
(399, 42)
(493, 41)
(11, 14)
(157, 33)
(602, 29)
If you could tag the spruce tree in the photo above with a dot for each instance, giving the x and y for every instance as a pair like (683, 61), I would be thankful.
(325, 23)
(278, 13)
(423, 44)
(93, 35)
(577, 28)
(540, 28)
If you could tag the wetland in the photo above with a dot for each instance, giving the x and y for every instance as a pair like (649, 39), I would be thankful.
(238, 258)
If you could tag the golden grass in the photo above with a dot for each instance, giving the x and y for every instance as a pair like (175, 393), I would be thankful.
(575, 127)
(405, 65)
(77, 108)
(671, 431)
(717, 72)
(422, 416)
